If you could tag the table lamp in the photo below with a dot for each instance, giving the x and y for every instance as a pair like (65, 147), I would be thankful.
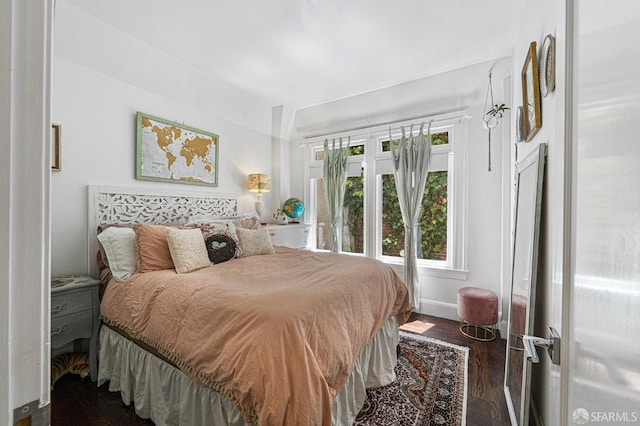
(259, 183)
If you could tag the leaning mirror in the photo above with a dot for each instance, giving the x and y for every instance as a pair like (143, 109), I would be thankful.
(529, 180)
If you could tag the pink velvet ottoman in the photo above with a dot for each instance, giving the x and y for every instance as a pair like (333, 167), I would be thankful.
(478, 312)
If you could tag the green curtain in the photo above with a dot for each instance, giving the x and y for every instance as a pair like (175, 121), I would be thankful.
(335, 182)
(411, 168)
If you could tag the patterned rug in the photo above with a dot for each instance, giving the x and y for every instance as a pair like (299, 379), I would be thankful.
(430, 386)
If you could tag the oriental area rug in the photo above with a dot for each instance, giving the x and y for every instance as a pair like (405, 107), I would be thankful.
(430, 386)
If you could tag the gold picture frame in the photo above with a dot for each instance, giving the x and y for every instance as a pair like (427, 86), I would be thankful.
(56, 135)
(531, 94)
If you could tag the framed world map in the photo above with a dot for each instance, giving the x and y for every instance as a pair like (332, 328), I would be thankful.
(172, 152)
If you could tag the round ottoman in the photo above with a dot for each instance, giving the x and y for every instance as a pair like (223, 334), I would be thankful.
(478, 312)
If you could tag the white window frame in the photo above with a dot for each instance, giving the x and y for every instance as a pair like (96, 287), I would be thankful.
(375, 162)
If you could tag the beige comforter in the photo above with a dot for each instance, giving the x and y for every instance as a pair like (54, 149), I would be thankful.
(277, 334)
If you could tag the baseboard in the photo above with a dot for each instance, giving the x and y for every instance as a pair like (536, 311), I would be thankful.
(439, 309)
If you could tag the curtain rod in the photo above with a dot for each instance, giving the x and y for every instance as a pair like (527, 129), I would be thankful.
(459, 114)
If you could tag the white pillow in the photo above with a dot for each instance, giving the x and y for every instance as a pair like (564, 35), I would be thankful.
(120, 247)
(188, 250)
(254, 241)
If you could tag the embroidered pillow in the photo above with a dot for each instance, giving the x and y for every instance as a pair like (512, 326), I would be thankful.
(152, 249)
(187, 249)
(222, 227)
(220, 248)
(255, 241)
(119, 245)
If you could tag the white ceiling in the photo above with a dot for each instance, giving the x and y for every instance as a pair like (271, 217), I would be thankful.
(306, 52)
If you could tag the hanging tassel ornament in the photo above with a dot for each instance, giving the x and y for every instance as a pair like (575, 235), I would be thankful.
(492, 116)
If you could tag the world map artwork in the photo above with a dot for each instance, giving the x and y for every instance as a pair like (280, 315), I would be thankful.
(173, 152)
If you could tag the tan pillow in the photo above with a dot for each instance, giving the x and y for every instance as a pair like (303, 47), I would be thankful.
(188, 250)
(254, 241)
(152, 250)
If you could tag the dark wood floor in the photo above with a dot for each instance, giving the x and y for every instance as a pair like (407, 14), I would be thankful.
(75, 402)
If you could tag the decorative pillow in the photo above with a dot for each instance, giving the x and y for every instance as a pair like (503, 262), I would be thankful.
(152, 249)
(119, 245)
(101, 257)
(223, 227)
(220, 248)
(246, 220)
(187, 249)
(255, 241)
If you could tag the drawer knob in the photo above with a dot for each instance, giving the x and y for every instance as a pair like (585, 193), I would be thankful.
(59, 308)
(61, 329)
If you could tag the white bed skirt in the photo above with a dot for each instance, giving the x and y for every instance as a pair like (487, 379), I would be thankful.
(167, 396)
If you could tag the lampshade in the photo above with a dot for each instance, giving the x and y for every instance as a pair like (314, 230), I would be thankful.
(259, 183)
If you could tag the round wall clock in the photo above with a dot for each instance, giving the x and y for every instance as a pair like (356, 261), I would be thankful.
(548, 65)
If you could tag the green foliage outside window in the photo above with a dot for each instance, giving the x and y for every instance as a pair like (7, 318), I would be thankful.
(433, 218)
(436, 139)
(354, 209)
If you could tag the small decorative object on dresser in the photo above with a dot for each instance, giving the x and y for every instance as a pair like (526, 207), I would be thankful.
(293, 208)
(75, 315)
(280, 217)
(294, 235)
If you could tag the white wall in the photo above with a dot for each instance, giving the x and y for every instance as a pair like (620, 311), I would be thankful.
(542, 18)
(101, 78)
(445, 92)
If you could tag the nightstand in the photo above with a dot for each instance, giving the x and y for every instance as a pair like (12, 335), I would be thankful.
(75, 317)
(294, 235)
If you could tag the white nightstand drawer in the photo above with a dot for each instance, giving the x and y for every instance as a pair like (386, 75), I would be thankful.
(294, 235)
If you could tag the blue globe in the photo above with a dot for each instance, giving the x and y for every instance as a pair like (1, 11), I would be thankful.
(293, 208)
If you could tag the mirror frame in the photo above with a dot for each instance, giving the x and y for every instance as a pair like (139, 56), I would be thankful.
(534, 159)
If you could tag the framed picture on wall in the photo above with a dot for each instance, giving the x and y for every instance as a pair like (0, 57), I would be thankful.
(173, 152)
(531, 94)
(56, 134)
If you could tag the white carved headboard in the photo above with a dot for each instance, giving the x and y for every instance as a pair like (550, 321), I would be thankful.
(109, 204)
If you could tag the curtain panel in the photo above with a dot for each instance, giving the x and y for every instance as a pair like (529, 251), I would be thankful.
(335, 182)
(411, 167)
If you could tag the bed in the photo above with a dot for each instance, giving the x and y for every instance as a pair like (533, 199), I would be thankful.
(278, 337)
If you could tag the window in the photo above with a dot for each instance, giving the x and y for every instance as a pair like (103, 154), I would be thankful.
(433, 219)
(352, 216)
(353, 207)
(372, 221)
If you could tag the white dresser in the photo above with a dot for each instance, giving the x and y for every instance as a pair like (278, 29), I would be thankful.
(294, 235)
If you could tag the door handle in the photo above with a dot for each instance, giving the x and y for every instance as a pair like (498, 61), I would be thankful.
(551, 343)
